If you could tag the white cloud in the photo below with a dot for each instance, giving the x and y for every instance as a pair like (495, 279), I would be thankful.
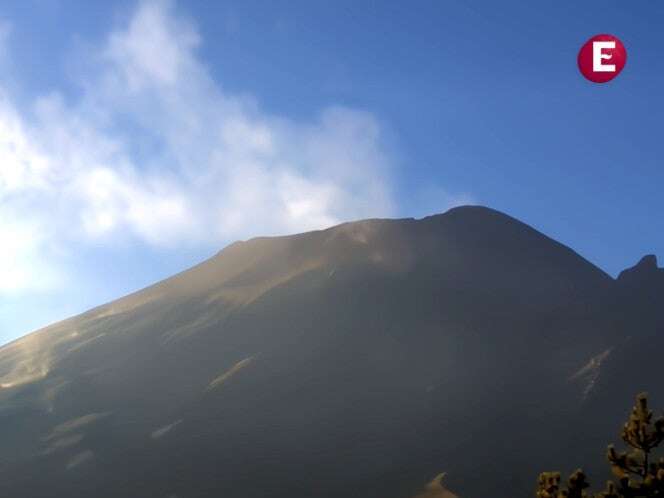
(156, 48)
(155, 151)
(24, 264)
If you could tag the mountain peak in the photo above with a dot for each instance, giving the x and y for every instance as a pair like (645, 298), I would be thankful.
(472, 211)
(649, 262)
(645, 269)
(359, 330)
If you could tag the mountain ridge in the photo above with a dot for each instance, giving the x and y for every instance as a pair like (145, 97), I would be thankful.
(351, 225)
(335, 363)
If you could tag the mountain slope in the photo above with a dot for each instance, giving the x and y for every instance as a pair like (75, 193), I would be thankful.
(361, 360)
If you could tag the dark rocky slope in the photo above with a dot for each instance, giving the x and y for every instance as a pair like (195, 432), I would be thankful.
(358, 361)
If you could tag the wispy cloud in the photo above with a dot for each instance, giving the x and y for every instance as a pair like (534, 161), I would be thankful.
(154, 151)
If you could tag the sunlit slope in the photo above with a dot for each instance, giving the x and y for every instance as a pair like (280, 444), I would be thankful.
(362, 360)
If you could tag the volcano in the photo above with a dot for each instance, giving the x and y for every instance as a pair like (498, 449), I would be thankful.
(455, 355)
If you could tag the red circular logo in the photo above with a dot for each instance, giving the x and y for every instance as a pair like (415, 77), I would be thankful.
(602, 58)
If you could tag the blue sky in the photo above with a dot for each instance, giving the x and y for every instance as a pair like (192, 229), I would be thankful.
(138, 138)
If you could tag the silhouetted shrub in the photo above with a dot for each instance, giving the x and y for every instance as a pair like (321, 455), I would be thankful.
(638, 474)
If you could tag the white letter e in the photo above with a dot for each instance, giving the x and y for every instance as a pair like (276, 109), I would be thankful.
(598, 67)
